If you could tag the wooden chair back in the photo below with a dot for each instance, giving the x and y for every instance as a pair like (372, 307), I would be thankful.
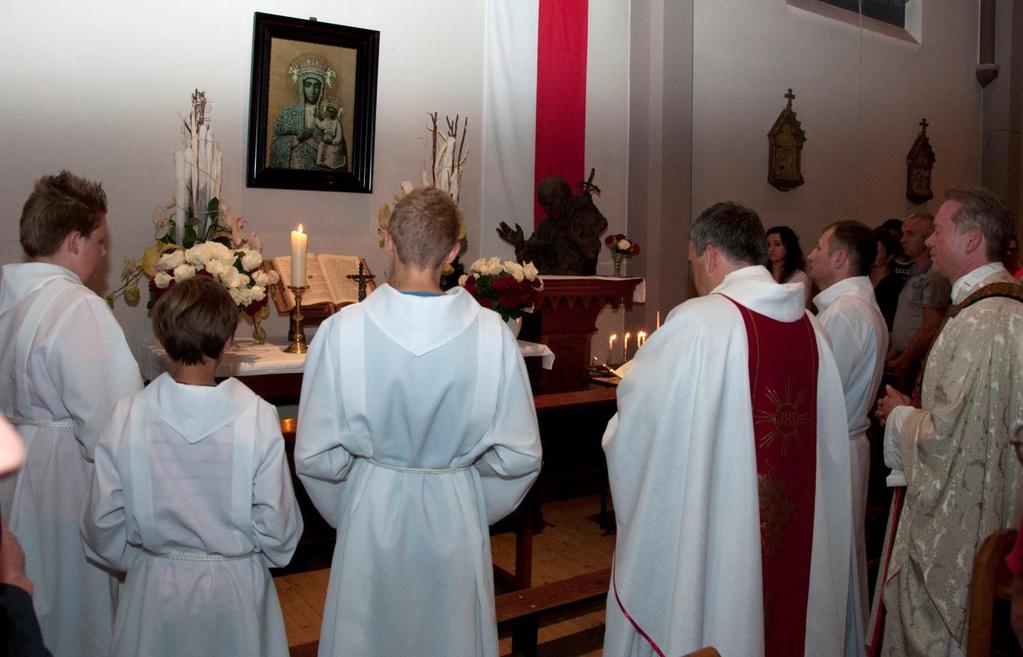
(991, 580)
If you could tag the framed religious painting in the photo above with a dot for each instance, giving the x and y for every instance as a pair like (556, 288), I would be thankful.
(312, 110)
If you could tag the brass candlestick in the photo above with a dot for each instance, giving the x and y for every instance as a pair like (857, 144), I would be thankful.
(298, 344)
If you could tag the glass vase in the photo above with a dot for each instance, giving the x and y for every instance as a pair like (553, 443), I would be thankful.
(616, 259)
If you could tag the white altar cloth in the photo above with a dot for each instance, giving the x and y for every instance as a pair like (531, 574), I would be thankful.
(248, 358)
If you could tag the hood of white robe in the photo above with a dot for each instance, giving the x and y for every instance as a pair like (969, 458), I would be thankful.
(197, 411)
(755, 288)
(421, 324)
(17, 281)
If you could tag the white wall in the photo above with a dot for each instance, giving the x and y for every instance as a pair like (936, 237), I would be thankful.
(859, 95)
(98, 88)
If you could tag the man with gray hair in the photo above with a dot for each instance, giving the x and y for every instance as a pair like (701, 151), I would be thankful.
(962, 479)
(849, 314)
(728, 462)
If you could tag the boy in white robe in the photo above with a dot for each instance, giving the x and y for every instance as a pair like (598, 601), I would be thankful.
(64, 363)
(416, 431)
(192, 497)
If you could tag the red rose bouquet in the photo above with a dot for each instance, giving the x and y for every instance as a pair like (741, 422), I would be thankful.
(505, 287)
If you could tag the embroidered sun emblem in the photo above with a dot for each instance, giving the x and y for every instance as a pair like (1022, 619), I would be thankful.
(786, 417)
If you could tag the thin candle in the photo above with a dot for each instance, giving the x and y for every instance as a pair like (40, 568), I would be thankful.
(658, 320)
(611, 346)
(299, 244)
(625, 348)
(640, 339)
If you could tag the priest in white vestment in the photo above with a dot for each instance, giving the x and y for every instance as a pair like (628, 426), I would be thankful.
(192, 497)
(416, 431)
(683, 468)
(849, 314)
(963, 481)
(64, 363)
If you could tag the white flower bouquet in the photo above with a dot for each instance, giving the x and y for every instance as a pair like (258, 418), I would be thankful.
(212, 243)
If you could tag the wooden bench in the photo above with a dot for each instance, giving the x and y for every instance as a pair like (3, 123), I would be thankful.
(523, 608)
(302, 595)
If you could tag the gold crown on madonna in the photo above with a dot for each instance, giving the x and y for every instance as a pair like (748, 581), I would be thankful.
(310, 64)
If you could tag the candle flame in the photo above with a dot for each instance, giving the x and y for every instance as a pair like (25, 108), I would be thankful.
(614, 336)
(300, 228)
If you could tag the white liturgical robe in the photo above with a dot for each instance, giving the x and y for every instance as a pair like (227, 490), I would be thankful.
(64, 363)
(192, 497)
(855, 327)
(416, 430)
(683, 473)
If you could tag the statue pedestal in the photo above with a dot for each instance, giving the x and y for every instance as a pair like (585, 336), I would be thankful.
(568, 321)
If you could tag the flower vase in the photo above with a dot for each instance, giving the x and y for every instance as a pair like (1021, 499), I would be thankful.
(616, 258)
(258, 332)
(515, 325)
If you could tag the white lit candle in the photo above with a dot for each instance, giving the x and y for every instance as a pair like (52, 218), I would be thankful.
(640, 339)
(611, 346)
(658, 320)
(625, 348)
(299, 242)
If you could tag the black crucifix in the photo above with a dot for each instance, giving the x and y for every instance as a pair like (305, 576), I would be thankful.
(362, 279)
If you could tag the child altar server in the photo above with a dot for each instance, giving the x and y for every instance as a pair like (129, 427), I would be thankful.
(192, 498)
(416, 431)
(64, 362)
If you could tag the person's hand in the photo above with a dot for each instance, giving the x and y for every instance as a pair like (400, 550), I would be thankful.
(897, 365)
(12, 562)
(514, 237)
(891, 399)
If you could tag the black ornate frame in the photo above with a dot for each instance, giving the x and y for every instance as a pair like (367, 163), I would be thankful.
(359, 177)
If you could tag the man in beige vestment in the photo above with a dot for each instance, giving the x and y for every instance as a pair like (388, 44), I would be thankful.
(962, 478)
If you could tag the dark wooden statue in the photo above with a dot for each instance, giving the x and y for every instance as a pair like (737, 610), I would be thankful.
(919, 163)
(785, 149)
(567, 241)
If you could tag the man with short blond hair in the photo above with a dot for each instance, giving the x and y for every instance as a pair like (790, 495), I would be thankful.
(963, 481)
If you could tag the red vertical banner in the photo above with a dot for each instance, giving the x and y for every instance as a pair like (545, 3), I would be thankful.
(561, 93)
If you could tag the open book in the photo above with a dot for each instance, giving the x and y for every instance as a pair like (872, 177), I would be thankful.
(327, 279)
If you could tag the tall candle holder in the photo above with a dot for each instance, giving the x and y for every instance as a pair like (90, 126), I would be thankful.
(297, 345)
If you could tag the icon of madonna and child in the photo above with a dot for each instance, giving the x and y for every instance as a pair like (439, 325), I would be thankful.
(309, 135)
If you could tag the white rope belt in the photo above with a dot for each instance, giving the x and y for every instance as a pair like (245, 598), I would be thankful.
(425, 471)
(195, 556)
(48, 424)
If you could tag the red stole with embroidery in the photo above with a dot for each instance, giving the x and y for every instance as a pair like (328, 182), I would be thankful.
(783, 389)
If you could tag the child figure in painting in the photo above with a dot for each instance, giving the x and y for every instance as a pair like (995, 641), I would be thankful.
(192, 497)
(416, 431)
(332, 152)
